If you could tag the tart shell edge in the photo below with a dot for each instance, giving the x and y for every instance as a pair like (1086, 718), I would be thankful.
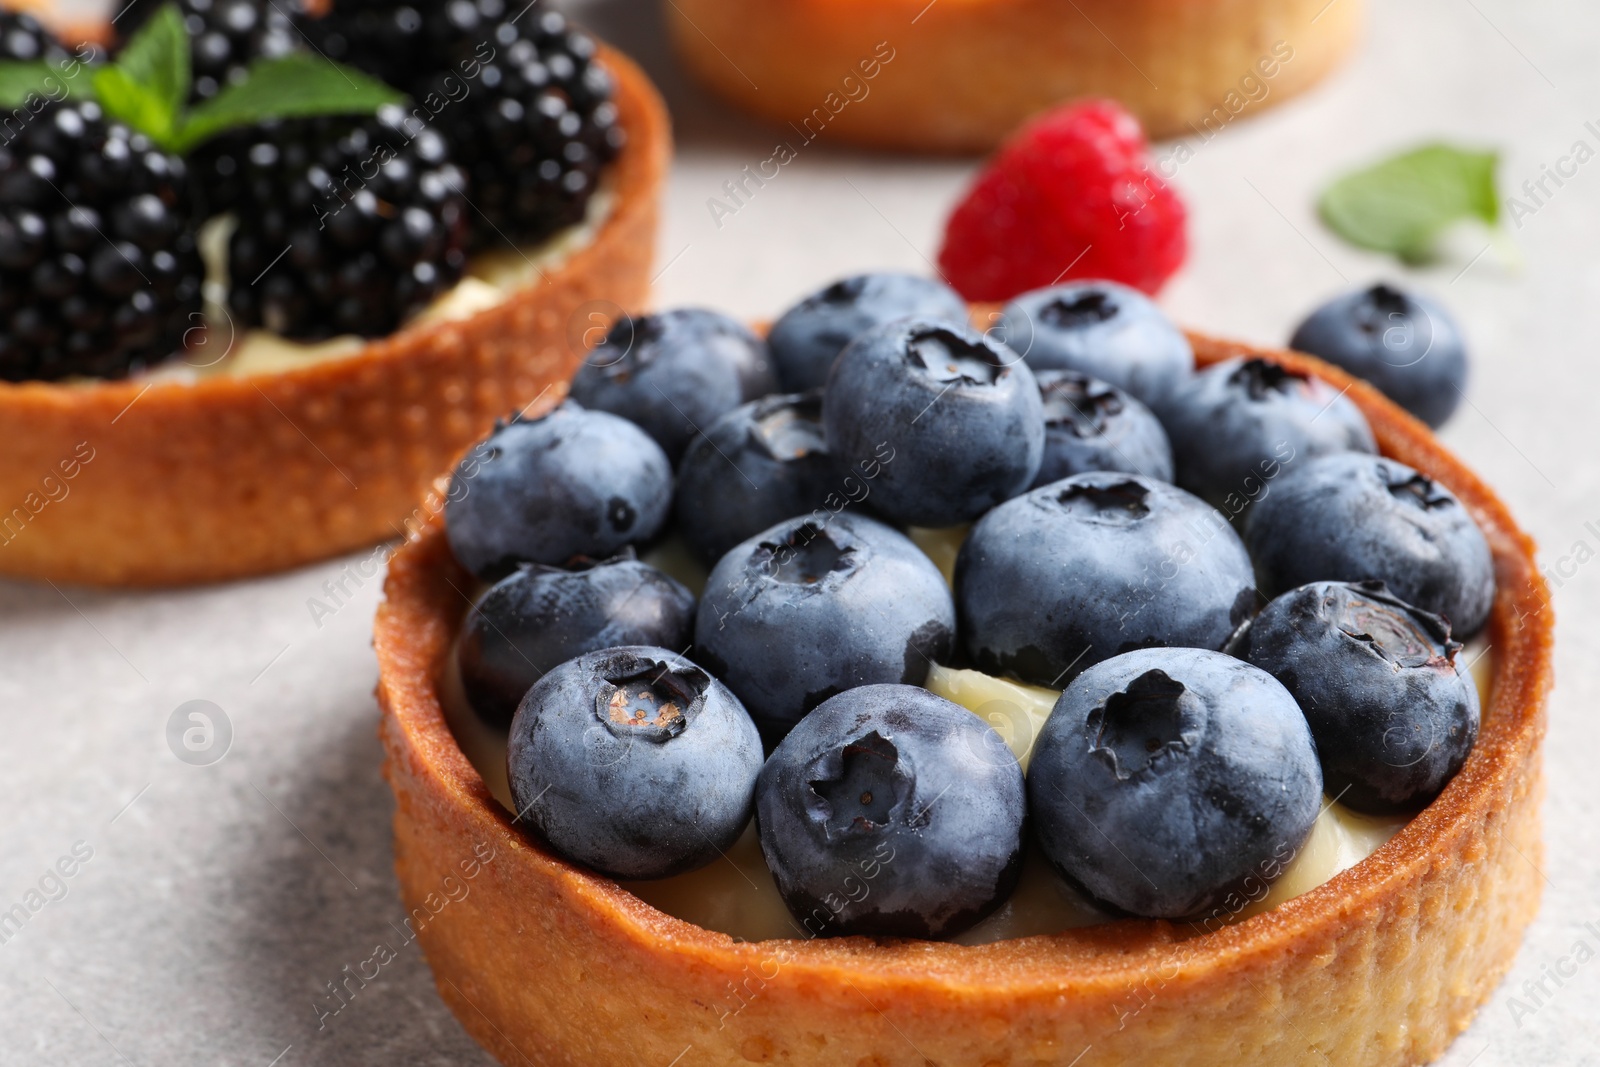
(546, 963)
(880, 72)
(153, 483)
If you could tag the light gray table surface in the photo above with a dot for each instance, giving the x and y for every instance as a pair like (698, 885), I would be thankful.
(219, 900)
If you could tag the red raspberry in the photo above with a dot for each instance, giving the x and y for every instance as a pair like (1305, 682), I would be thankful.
(1069, 195)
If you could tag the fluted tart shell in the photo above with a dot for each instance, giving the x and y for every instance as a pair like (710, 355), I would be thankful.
(961, 74)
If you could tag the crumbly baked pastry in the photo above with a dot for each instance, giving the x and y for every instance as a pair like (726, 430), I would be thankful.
(544, 961)
(153, 481)
(956, 77)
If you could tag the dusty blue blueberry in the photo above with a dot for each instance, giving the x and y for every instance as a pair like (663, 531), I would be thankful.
(806, 610)
(1406, 344)
(675, 372)
(1355, 518)
(759, 464)
(634, 762)
(1083, 569)
(1238, 425)
(958, 415)
(538, 617)
(1102, 329)
(1092, 426)
(1174, 783)
(809, 336)
(569, 483)
(1393, 711)
(880, 815)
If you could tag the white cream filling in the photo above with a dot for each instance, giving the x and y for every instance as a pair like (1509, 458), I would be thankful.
(490, 278)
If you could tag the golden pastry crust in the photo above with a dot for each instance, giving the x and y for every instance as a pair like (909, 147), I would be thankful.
(235, 475)
(547, 963)
(963, 73)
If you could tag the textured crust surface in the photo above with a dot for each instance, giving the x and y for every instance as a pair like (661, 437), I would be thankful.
(964, 73)
(548, 964)
(239, 475)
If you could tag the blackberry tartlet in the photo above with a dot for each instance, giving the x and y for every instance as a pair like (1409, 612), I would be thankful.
(873, 924)
(328, 309)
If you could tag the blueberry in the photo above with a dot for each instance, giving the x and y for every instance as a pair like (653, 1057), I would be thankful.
(1351, 518)
(954, 416)
(881, 815)
(806, 610)
(1237, 425)
(1102, 329)
(1092, 426)
(538, 617)
(675, 372)
(759, 464)
(1394, 715)
(1406, 344)
(809, 336)
(634, 762)
(569, 483)
(1083, 569)
(1167, 779)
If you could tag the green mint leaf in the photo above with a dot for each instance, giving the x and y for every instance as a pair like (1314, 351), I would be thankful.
(134, 105)
(1404, 203)
(18, 81)
(292, 86)
(157, 59)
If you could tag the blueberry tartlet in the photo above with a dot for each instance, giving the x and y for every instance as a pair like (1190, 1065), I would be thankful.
(243, 327)
(948, 767)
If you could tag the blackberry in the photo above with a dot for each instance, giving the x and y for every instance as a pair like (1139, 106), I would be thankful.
(528, 112)
(24, 40)
(345, 226)
(226, 36)
(98, 270)
(381, 37)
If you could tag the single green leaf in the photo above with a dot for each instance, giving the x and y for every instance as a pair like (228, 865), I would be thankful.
(18, 81)
(292, 86)
(135, 105)
(157, 59)
(1402, 204)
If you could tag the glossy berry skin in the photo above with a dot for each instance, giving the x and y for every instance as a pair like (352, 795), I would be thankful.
(538, 617)
(808, 337)
(880, 815)
(24, 39)
(318, 253)
(1101, 329)
(1092, 566)
(1238, 425)
(1092, 426)
(1069, 195)
(225, 36)
(957, 414)
(634, 762)
(99, 275)
(1167, 779)
(517, 91)
(804, 611)
(1406, 344)
(1393, 712)
(759, 464)
(674, 373)
(1349, 517)
(569, 483)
